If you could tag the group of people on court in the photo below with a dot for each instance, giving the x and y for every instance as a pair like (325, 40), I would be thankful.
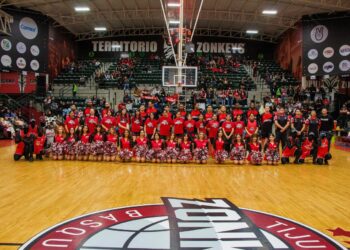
(145, 136)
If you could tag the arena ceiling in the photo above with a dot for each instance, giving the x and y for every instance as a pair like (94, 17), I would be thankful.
(217, 18)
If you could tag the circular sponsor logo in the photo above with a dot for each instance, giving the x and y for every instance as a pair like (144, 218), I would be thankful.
(312, 68)
(344, 65)
(6, 44)
(328, 67)
(34, 64)
(28, 28)
(319, 34)
(344, 50)
(21, 63)
(34, 50)
(6, 61)
(312, 54)
(21, 48)
(328, 52)
(181, 224)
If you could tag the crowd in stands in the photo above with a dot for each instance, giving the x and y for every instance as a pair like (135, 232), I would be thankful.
(10, 120)
(80, 66)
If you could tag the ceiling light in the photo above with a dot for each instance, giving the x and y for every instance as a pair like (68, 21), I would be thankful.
(269, 12)
(174, 22)
(115, 46)
(82, 9)
(174, 4)
(100, 28)
(252, 32)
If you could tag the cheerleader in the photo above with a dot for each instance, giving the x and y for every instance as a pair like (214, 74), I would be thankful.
(200, 125)
(252, 126)
(238, 126)
(228, 130)
(70, 145)
(171, 150)
(307, 149)
(150, 126)
(289, 150)
(108, 121)
(185, 155)
(141, 148)
(156, 152)
(323, 154)
(220, 153)
(39, 144)
(238, 151)
(83, 145)
(136, 125)
(272, 155)
(190, 126)
(57, 149)
(97, 142)
(123, 122)
(110, 145)
(201, 150)
(213, 127)
(125, 152)
(255, 156)
(178, 128)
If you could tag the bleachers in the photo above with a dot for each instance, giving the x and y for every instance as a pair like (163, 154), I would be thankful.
(273, 67)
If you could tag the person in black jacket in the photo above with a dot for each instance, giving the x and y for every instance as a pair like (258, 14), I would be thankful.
(326, 125)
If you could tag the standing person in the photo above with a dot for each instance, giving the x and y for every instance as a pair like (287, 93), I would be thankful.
(220, 153)
(71, 122)
(97, 143)
(172, 151)
(91, 121)
(141, 147)
(165, 124)
(57, 148)
(251, 127)
(190, 126)
(238, 126)
(123, 121)
(185, 155)
(150, 126)
(33, 128)
(125, 147)
(201, 149)
(253, 110)
(70, 145)
(237, 111)
(254, 148)
(136, 125)
(83, 145)
(313, 124)
(151, 109)
(74, 89)
(298, 125)
(108, 121)
(213, 127)
(326, 126)
(156, 152)
(178, 125)
(195, 112)
(238, 151)
(182, 111)
(209, 114)
(228, 130)
(282, 122)
(200, 125)
(222, 114)
(110, 145)
(266, 125)
(271, 150)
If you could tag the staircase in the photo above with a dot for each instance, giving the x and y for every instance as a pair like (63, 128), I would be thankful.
(261, 90)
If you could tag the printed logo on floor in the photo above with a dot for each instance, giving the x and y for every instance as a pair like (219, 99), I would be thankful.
(181, 224)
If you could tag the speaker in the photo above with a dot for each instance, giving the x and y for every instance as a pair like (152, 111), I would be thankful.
(41, 86)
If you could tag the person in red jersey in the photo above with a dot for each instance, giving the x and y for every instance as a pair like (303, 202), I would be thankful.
(252, 127)
(237, 111)
(200, 125)
(88, 108)
(271, 150)
(254, 149)
(165, 124)
(39, 144)
(323, 155)
(83, 145)
(290, 149)
(110, 147)
(91, 121)
(141, 147)
(106, 109)
(136, 125)
(171, 150)
(213, 127)
(220, 153)
(57, 148)
(195, 112)
(97, 142)
(266, 125)
(182, 111)
(238, 152)
(71, 122)
(307, 149)
(252, 110)
(228, 130)
(70, 145)
(156, 152)
(33, 128)
(190, 126)
(185, 155)
(178, 125)
(222, 114)
(123, 121)
(239, 126)
(143, 113)
(209, 114)
(108, 121)
(201, 149)
(24, 146)
(151, 109)
(125, 147)
(150, 126)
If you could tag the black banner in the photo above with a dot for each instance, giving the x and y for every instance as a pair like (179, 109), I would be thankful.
(326, 46)
(26, 48)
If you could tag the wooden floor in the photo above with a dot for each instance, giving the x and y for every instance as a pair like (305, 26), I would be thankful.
(35, 196)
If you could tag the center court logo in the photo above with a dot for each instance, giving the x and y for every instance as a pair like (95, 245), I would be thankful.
(181, 224)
